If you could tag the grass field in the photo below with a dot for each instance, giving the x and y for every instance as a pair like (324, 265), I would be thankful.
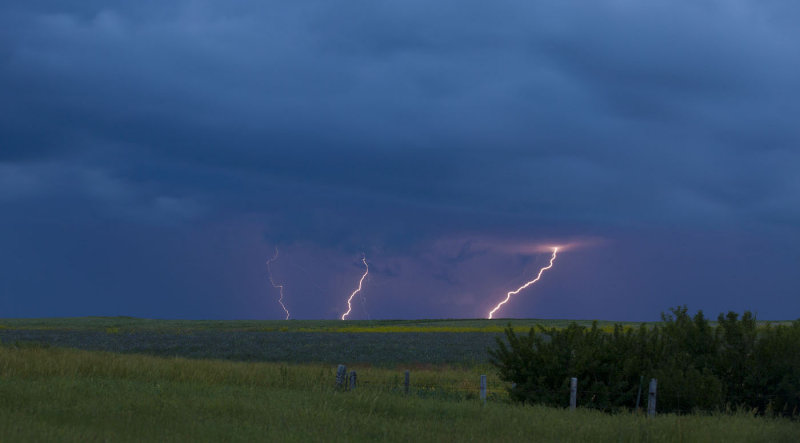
(384, 343)
(273, 380)
(131, 324)
(380, 343)
(49, 394)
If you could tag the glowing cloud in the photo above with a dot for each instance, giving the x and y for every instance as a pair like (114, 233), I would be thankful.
(272, 282)
(360, 282)
(521, 246)
(515, 292)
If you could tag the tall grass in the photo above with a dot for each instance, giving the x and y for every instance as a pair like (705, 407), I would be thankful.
(31, 361)
(50, 394)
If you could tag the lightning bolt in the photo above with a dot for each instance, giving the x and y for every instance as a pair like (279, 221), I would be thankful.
(515, 292)
(272, 282)
(360, 282)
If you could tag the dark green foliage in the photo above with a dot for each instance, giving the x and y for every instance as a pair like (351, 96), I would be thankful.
(698, 367)
(772, 383)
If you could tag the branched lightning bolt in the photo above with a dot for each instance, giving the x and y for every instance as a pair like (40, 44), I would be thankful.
(360, 282)
(515, 292)
(272, 282)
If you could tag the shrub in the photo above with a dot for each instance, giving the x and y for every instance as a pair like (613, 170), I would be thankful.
(697, 366)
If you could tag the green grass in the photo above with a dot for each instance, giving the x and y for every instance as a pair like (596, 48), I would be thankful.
(132, 324)
(386, 343)
(52, 394)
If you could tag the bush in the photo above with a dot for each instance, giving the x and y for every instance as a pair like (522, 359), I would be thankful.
(698, 366)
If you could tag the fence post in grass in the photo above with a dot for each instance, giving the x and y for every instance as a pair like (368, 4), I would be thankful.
(639, 394)
(406, 381)
(352, 380)
(483, 388)
(651, 398)
(341, 376)
(573, 393)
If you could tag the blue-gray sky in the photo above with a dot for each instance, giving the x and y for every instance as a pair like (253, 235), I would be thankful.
(153, 154)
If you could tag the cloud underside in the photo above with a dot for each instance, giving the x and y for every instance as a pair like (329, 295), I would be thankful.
(390, 122)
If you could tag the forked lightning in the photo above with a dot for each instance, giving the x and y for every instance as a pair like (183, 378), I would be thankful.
(272, 282)
(360, 283)
(515, 292)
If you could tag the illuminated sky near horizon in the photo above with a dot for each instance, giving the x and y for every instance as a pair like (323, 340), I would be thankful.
(154, 154)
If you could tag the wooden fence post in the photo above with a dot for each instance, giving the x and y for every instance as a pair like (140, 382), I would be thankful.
(406, 381)
(341, 376)
(573, 393)
(651, 398)
(483, 388)
(352, 380)
(639, 394)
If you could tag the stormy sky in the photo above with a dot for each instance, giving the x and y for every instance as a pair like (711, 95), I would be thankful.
(154, 154)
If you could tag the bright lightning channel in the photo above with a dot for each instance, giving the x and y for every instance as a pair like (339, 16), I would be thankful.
(515, 292)
(360, 282)
(272, 282)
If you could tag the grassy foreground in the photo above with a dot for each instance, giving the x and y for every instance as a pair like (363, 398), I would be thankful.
(51, 394)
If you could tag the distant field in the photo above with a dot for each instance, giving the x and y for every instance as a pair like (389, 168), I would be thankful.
(53, 394)
(130, 324)
(386, 343)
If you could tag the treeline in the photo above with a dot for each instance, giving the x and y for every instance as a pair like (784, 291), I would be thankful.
(733, 364)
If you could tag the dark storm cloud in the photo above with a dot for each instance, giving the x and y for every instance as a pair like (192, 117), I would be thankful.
(387, 125)
(605, 112)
